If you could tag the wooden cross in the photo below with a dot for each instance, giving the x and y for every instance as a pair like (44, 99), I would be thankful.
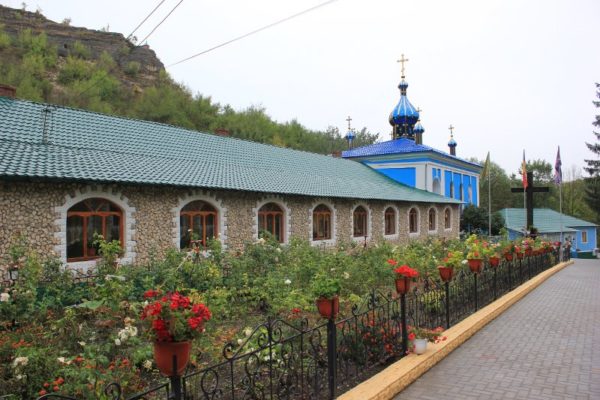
(348, 119)
(402, 60)
(529, 197)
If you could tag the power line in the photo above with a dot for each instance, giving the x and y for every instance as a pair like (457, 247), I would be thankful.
(255, 31)
(160, 23)
(145, 19)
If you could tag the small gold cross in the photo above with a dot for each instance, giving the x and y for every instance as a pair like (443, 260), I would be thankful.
(402, 60)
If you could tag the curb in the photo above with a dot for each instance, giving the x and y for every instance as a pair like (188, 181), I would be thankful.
(395, 378)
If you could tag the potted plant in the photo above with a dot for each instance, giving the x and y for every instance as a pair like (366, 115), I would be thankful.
(452, 261)
(519, 252)
(475, 253)
(421, 336)
(404, 275)
(172, 322)
(327, 290)
(493, 255)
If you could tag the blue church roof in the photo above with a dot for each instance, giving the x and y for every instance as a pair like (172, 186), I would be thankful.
(404, 113)
(397, 146)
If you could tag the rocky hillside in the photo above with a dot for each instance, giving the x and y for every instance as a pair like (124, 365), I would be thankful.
(75, 41)
(102, 71)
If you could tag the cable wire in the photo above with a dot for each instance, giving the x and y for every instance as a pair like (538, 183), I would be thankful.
(254, 31)
(145, 19)
(160, 23)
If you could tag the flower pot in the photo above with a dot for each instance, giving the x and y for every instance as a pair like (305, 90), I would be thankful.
(475, 265)
(402, 285)
(446, 273)
(508, 256)
(163, 355)
(420, 346)
(328, 308)
(494, 261)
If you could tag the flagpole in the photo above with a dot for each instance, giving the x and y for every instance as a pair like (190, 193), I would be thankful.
(489, 200)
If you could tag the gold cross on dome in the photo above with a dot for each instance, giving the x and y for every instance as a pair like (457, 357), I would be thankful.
(348, 119)
(402, 60)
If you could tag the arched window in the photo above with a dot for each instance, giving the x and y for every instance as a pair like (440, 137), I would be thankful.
(432, 219)
(89, 217)
(198, 222)
(451, 190)
(413, 221)
(390, 221)
(359, 218)
(447, 218)
(270, 219)
(436, 186)
(321, 222)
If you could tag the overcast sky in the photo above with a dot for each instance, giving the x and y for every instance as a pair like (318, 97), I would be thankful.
(508, 75)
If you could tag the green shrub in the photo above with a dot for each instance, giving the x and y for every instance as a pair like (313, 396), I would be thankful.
(133, 68)
(74, 70)
(80, 50)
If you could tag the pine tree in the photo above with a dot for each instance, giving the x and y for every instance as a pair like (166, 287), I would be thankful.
(593, 167)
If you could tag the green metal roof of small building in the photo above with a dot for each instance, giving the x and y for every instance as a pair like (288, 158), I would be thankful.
(82, 145)
(544, 219)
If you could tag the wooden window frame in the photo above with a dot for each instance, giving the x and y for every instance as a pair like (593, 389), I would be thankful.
(263, 216)
(389, 221)
(85, 215)
(360, 216)
(430, 220)
(447, 218)
(203, 215)
(584, 237)
(325, 215)
(413, 212)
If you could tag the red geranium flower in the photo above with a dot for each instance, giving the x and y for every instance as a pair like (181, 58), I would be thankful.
(406, 271)
(411, 336)
(392, 262)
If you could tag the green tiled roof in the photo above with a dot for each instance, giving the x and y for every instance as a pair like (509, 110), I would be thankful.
(544, 219)
(89, 146)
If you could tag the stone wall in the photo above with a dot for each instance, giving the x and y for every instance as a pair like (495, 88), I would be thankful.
(37, 210)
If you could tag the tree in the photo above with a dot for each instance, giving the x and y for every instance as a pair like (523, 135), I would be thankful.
(474, 219)
(592, 189)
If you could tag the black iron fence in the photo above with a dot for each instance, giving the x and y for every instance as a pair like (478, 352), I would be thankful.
(283, 359)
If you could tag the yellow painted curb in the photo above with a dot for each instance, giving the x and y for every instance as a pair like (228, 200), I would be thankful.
(391, 381)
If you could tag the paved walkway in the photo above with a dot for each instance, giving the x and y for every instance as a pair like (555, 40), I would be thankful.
(547, 346)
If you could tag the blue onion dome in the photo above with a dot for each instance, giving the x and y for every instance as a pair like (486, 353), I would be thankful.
(452, 142)
(418, 128)
(404, 113)
(350, 135)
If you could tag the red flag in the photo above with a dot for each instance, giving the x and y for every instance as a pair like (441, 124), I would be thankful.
(524, 172)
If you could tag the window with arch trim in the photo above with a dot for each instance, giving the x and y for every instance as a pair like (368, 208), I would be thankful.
(432, 219)
(447, 218)
(321, 222)
(198, 222)
(360, 218)
(413, 221)
(270, 219)
(89, 217)
(390, 221)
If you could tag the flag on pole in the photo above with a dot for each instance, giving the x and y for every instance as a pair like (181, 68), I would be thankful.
(486, 166)
(558, 168)
(524, 171)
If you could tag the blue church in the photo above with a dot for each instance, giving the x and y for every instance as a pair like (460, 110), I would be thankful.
(407, 160)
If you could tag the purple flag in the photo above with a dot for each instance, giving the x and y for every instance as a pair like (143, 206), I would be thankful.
(558, 168)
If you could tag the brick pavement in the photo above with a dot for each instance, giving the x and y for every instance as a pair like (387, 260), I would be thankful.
(547, 346)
